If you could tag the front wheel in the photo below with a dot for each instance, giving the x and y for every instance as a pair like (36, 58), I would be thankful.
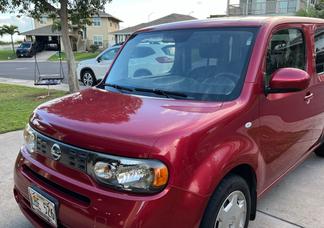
(88, 78)
(230, 205)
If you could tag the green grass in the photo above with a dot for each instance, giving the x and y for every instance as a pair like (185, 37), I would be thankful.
(77, 55)
(7, 55)
(18, 102)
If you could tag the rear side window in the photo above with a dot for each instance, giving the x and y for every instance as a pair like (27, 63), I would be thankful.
(319, 49)
(110, 54)
(142, 52)
(169, 50)
(286, 49)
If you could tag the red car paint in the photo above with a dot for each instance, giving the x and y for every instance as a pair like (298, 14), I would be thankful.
(200, 142)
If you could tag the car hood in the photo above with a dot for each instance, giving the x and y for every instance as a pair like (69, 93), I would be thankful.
(104, 121)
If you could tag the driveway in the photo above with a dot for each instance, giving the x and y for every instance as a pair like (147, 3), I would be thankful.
(297, 201)
(40, 56)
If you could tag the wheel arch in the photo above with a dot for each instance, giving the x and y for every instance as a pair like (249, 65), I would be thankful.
(247, 172)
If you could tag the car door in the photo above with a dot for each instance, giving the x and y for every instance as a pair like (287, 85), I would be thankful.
(286, 119)
(104, 61)
(318, 80)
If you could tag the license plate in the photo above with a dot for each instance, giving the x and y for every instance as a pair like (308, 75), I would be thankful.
(42, 206)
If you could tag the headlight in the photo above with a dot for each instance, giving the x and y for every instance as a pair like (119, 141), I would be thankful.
(136, 175)
(30, 139)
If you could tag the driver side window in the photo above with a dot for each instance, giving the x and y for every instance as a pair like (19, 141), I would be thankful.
(286, 49)
(109, 55)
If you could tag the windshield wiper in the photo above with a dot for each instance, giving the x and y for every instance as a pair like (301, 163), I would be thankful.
(168, 94)
(118, 87)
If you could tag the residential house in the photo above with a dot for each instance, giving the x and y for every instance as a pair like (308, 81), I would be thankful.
(100, 33)
(268, 7)
(123, 34)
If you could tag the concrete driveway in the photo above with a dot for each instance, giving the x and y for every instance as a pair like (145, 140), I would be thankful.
(42, 56)
(297, 201)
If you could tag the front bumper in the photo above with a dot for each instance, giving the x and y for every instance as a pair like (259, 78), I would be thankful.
(84, 205)
(23, 53)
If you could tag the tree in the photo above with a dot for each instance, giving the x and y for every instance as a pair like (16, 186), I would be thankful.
(77, 12)
(11, 30)
(1, 31)
(313, 11)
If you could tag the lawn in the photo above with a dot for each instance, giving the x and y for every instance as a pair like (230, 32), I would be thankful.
(7, 55)
(77, 55)
(18, 102)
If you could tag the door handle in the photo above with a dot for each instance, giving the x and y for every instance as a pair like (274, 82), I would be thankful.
(308, 97)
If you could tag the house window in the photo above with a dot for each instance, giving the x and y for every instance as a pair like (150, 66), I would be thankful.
(110, 24)
(43, 20)
(98, 40)
(96, 21)
(282, 7)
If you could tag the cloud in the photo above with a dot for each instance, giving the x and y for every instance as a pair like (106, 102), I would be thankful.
(139, 11)
(24, 24)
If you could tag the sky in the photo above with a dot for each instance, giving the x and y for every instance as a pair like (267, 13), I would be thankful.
(133, 12)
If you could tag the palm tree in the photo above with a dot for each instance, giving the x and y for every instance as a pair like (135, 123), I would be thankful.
(1, 31)
(11, 30)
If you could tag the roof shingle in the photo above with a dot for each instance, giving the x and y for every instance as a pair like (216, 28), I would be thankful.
(42, 31)
(167, 19)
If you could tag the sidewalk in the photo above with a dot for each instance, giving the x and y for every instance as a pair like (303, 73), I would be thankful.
(297, 201)
(30, 83)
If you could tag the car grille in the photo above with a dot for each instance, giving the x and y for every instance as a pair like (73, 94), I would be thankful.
(71, 156)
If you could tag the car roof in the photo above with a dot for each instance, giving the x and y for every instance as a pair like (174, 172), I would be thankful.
(255, 21)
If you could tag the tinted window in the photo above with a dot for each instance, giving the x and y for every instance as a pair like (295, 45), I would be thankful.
(110, 54)
(25, 45)
(205, 64)
(169, 50)
(286, 49)
(319, 48)
(141, 52)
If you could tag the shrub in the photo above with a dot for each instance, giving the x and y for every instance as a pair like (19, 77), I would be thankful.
(94, 48)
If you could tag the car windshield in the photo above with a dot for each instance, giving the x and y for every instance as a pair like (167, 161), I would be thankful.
(195, 64)
(25, 45)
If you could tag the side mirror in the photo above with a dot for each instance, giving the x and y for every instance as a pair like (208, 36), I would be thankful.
(287, 80)
(99, 59)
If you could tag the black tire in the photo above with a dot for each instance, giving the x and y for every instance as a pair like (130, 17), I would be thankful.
(320, 151)
(230, 184)
(88, 78)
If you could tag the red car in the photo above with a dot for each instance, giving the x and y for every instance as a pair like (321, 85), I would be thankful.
(193, 144)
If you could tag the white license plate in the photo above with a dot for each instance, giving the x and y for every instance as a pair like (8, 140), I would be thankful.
(42, 206)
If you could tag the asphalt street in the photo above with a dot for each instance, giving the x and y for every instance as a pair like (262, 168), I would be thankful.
(26, 70)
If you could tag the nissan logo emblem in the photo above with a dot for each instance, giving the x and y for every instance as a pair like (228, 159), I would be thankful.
(56, 152)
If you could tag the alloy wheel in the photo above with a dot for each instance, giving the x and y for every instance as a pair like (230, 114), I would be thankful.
(232, 213)
(87, 79)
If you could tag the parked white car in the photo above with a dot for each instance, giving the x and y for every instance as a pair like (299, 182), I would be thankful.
(91, 71)
(143, 60)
